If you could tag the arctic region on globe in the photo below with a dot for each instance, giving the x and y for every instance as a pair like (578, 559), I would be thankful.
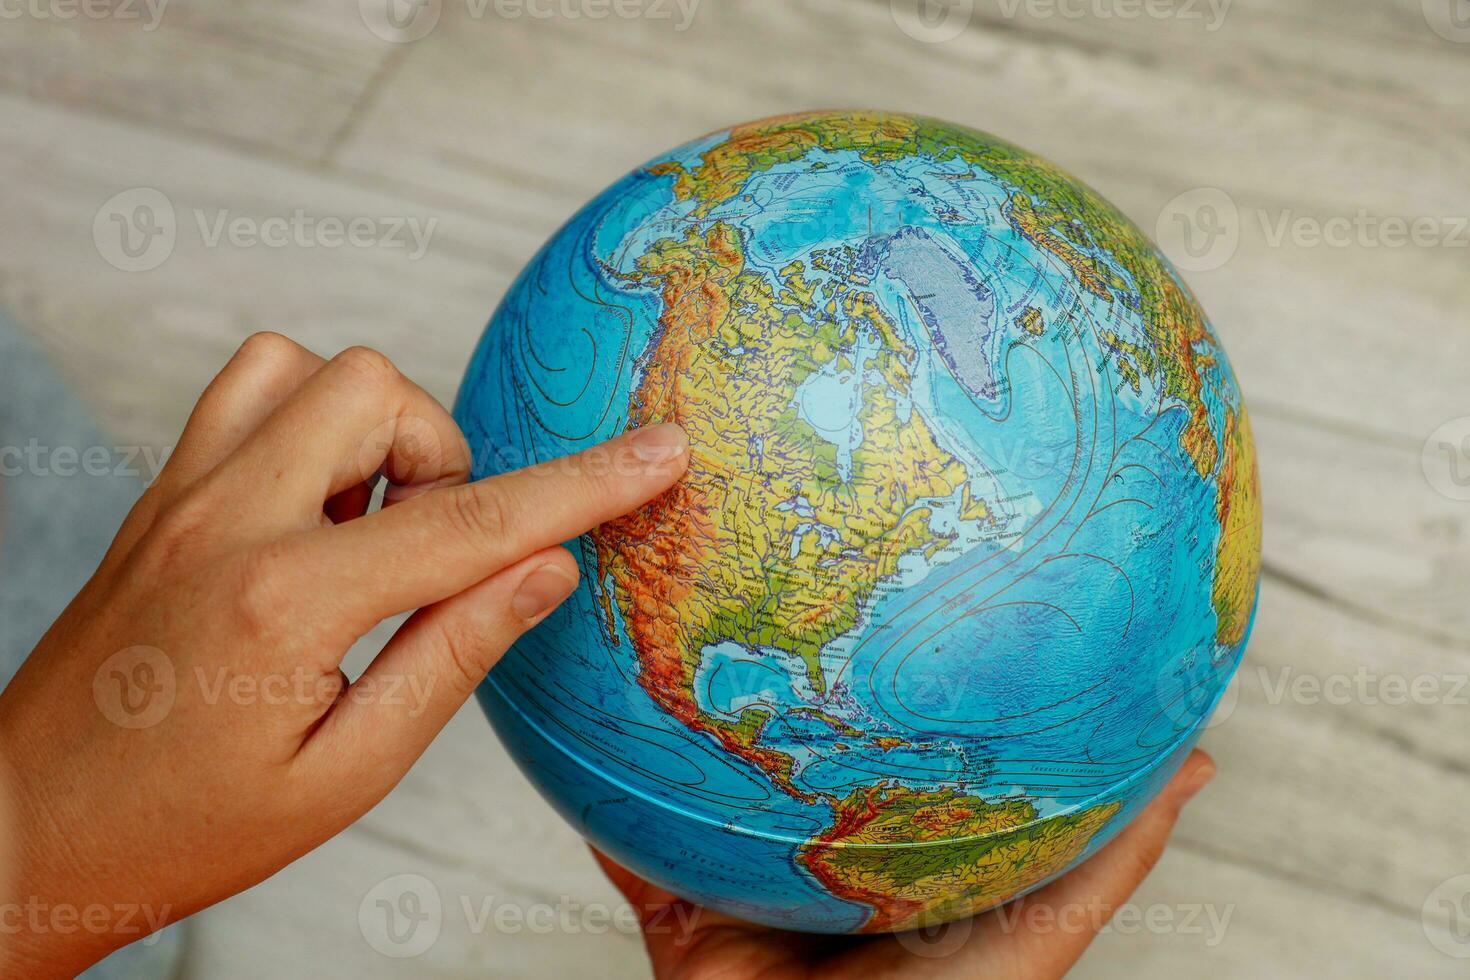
(968, 546)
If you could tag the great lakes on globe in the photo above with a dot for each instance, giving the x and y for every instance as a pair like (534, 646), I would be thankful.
(967, 550)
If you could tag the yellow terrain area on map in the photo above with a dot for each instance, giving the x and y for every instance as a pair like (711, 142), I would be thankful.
(713, 560)
(923, 858)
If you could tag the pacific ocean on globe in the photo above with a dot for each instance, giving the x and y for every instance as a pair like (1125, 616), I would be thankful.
(967, 551)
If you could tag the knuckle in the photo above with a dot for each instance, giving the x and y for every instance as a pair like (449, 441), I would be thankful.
(149, 507)
(372, 365)
(180, 529)
(587, 478)
(332, 688)
(479, 511)
(465, 656)
(1146, 858)
(605, 473)
(267, 345)
(259, 593)
(601, 482)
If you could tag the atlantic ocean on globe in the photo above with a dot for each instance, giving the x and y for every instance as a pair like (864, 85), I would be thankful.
(968, 547)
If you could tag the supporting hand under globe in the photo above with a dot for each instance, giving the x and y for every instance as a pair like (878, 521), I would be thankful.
(1037, 937)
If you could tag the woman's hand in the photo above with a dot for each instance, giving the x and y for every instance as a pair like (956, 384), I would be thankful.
(184, 730)
(1034, 938)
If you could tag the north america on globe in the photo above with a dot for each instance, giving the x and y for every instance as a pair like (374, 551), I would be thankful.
(968, 546)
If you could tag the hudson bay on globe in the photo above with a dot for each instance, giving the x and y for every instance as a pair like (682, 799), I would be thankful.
(968, 547)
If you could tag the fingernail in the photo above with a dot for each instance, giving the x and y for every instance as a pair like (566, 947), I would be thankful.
(1198, 779)
(660, 443)
(542, 591)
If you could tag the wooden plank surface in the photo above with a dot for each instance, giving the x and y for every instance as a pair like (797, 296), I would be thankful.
(1334, 817)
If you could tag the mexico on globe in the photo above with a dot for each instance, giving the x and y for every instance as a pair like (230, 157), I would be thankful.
(967, 550)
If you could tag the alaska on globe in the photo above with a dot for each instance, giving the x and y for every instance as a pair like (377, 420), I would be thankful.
(967, 550)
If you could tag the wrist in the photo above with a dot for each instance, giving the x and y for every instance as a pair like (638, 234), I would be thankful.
(46, 929)
(27, 952)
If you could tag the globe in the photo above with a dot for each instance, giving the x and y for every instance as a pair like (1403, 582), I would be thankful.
(968, 546)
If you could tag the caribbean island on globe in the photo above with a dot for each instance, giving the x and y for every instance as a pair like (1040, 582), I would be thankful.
(968, 546)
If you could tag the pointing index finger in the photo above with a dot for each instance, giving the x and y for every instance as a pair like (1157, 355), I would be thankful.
(437, 545)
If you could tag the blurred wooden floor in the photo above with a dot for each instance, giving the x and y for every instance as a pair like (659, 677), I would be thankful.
(1334, 818)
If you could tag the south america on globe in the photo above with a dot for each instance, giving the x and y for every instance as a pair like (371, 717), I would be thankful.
(967, 550)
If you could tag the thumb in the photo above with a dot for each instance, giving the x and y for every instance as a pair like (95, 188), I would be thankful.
(432, 666)
(669, 923)
(641, 894)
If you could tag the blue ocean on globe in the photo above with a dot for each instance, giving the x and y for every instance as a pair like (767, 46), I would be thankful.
(967, 551)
